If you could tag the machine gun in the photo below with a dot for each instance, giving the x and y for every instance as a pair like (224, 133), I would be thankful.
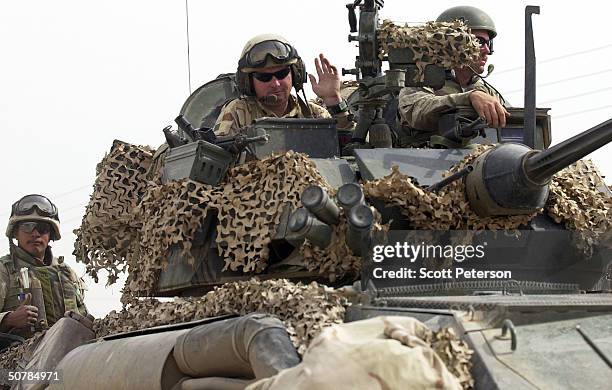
(377, 93)
(204, 157)
(374, 87)
(233, 144)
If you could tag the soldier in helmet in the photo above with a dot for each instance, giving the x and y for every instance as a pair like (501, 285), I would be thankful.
(269, 67)
(36, 289)
(419, 108)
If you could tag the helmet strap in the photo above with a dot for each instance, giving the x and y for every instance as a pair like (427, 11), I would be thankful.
(304, 104)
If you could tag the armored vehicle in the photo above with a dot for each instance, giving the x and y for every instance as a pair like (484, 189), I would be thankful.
(535, 307)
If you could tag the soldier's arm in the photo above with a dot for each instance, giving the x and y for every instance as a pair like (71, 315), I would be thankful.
(4, 278)
(420, 108)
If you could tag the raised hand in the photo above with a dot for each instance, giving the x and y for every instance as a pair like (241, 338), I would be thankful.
(327, 87)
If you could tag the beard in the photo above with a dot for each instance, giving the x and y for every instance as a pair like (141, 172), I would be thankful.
(275, 99)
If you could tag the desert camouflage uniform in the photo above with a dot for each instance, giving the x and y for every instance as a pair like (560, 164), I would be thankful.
(241, 112)
(419, 108)
(59, 285)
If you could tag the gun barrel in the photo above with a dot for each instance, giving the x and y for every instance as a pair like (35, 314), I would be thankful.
(359, 233)
(540, 167)
(447, 180)
(304, 225)
(350, 195)
(187, 127)
(316, 200)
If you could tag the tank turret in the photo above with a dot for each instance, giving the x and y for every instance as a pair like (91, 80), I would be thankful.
(513, 178)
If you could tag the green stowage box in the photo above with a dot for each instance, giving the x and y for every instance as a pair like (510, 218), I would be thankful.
(200, 161)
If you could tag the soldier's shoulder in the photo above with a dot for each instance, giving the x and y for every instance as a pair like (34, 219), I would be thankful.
(4, 265)
(414, 90)
(409, 95)
(68, 269)
(240, 103)
(5, 259)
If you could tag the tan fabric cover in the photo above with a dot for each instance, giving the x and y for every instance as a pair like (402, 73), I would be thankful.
(358, 355)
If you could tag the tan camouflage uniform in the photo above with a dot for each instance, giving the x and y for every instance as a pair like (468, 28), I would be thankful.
(58, 284)
(420, 108)
(241, 112)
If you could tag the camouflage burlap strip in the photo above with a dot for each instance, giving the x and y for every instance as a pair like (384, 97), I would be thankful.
(107, 236)
(449, 45)
(304, 309)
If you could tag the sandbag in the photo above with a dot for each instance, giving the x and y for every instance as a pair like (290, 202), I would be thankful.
(251, 346)
(358, 355)
(66, 334)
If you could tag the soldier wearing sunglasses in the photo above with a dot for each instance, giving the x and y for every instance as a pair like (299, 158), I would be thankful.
(268, 69)
(420, 108)
(36, 288)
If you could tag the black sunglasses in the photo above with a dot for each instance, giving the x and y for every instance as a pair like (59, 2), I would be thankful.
(41, 227)
(482, 42)
(265, 77)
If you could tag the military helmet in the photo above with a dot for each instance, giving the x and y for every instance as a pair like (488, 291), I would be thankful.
(473, 17)
(268, 50)
(36, 208)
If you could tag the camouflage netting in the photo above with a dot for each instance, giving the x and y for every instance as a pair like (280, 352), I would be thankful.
(447, 209)
(249, 205)
(455, 354)
(449, 45)
(576, 202)
(108, 232)
(304, 309)
(15, 356)
(253, 199)
(169, 215)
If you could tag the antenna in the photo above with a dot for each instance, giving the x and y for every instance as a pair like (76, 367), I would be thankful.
(530, 79)
(188, 57)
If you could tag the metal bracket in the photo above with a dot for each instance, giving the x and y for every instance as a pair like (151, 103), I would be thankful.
(508, 325)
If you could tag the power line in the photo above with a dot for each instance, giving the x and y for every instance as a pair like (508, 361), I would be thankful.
(72, 191)
(64, 209)
(188, 56)
(559, 58)
(582, 111)
(563, 80)
(577, 95)
(60, 196)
